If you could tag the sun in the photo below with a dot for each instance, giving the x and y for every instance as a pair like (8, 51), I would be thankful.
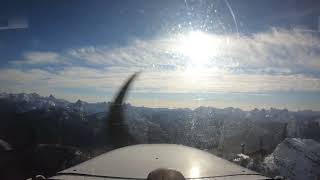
(200, 51)
(197, 46)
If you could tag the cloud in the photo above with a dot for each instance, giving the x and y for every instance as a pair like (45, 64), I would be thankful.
(277, 51)
(143, 54)
(277, 60)
(168, 82)
(273, 52)
(292, 51)
(40, 58)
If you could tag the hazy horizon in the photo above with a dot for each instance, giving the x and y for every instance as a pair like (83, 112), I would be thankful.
(177, 102)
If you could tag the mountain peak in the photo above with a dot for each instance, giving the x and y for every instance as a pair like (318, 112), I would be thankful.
(51, 97)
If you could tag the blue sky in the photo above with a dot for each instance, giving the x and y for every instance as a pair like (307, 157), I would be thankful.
(217, 53)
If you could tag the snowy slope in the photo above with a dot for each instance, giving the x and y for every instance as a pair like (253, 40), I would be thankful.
(295, 159)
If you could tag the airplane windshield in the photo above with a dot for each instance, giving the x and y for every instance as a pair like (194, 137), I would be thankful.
(239, 79)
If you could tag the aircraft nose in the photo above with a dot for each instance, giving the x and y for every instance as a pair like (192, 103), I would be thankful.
(165, 174)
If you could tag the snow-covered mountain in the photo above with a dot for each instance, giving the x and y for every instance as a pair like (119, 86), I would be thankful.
(207, 127)
(88, 108)
(295, 159)
(27, 102)
(224, 132)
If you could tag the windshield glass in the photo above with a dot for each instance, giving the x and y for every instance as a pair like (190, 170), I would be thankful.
(237, 78)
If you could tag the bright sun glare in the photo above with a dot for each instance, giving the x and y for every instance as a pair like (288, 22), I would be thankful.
(196, 46)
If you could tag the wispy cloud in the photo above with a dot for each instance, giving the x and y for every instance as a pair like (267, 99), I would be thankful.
(273, 52)
(40, 58)
(138, 53)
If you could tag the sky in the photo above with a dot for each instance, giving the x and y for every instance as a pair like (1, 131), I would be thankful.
(220, 53)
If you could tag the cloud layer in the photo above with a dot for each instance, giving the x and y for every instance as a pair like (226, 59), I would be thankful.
(277, 60)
